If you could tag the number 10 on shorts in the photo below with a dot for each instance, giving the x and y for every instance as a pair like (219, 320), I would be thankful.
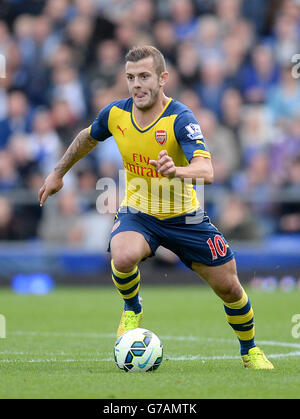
(217, 247)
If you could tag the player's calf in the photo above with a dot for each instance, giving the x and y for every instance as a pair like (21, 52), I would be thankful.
(127, 250)
(128, 285)
(240, 317)
(224, 281)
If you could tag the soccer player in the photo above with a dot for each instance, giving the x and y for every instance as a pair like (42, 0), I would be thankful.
(164, 155)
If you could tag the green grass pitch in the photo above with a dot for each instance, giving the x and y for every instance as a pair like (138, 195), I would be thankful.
(60, 345)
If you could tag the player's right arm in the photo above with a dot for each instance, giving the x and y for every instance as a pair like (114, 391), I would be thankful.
(80, 147)
(84, 142)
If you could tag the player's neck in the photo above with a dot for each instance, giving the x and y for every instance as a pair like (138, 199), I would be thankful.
(146, 117)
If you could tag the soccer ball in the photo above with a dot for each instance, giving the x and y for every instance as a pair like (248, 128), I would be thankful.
(138, 350)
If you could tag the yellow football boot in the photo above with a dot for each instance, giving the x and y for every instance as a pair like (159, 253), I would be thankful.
(256, 360)
(129, 320)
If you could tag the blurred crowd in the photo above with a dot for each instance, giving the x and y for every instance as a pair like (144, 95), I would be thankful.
(230, 61)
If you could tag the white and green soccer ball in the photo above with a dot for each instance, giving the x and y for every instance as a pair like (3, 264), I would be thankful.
(138, 350)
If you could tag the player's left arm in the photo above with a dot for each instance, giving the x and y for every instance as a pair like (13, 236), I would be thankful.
(199, 168)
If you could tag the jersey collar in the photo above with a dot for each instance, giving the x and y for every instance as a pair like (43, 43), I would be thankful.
(136, 125)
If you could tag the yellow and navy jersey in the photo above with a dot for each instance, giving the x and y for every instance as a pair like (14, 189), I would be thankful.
(176, 130)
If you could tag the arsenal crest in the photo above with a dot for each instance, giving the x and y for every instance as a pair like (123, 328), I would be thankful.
(161, 136)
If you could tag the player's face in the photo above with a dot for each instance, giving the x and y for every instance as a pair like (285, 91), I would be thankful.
(143, 83)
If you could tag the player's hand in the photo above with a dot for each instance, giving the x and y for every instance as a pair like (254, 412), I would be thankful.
(53, 183)
(165, 164)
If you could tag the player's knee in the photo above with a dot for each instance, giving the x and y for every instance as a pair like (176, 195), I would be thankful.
(232, 292)
(125, 260)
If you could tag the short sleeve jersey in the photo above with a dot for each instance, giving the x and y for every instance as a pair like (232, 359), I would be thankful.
(176, 130)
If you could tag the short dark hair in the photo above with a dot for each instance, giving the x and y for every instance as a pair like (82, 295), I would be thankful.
(139, 53)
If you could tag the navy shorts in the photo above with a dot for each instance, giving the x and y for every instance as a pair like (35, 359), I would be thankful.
(196, 241)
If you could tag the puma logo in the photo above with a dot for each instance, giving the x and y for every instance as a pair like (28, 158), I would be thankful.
(122, 130)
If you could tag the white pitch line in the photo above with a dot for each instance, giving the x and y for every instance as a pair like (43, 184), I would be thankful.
(223, 357)
(163, 337)
(275, 343)
(289, 354)
(63, 334)
(47, 353)
(170, 358)
(30, 361)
